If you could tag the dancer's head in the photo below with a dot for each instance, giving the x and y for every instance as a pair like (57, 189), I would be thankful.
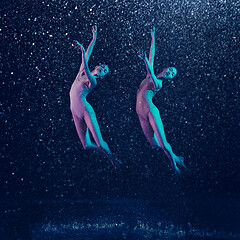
(169, 73)
(102, 70)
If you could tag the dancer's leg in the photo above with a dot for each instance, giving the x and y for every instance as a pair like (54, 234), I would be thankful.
(83, 133)
(92, 123)
(157, 125)
(148, 132)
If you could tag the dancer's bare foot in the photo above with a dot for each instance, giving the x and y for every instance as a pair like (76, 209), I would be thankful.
(117, 164)
(178, 164)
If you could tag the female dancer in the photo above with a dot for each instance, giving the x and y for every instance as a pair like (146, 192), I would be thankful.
(83, 114)
(148, 113)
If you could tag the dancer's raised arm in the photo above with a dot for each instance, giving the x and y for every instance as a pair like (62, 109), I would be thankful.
(150, 72)
(90, 47)
(152, 48)
(84, 64)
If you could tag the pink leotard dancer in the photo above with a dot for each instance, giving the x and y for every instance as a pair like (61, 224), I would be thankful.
(83, 114)
(148, 113)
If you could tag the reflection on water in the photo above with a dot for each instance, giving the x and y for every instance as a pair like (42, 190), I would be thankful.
(121, 230)
(120, 219)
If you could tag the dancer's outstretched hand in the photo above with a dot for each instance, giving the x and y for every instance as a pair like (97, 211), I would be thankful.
(153, 32)
(94, 31)
(78, 45)
(142, 54)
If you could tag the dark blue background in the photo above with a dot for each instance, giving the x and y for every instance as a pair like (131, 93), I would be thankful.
(41, 155)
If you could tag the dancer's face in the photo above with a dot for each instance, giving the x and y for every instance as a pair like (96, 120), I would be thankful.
(170, 73)
(102, 70)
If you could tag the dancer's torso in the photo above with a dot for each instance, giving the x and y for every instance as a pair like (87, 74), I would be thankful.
(145, 94)
(78, 93)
